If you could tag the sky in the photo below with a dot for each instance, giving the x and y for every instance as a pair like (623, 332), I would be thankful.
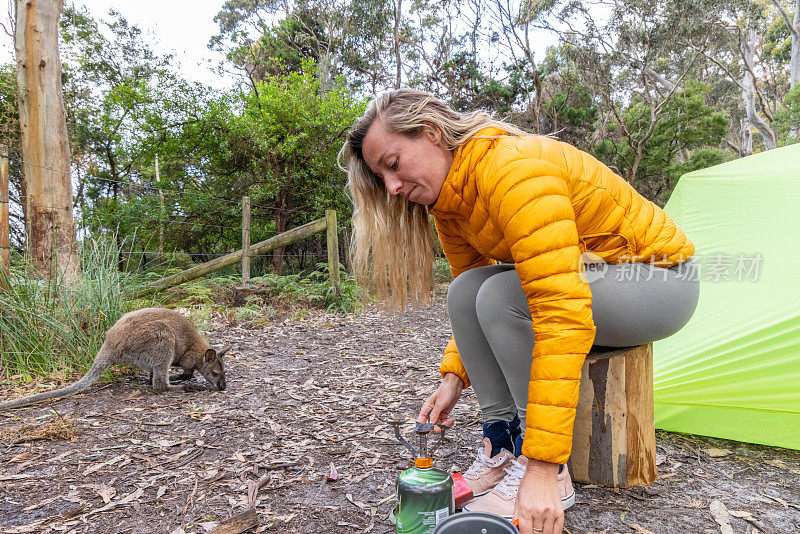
(183, 26)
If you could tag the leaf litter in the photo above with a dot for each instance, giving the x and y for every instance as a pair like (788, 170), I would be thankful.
(299, 439)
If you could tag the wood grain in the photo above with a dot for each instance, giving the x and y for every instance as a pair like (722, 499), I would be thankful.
(613, 440)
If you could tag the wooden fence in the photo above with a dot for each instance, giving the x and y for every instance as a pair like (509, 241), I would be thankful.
(326, 224)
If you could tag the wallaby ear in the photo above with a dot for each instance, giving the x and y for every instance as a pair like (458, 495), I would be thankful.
(223, 351)
(210, 355)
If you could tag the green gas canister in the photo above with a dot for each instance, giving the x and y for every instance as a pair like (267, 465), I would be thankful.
(424, 493)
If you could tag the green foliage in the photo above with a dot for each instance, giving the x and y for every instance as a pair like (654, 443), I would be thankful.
(441, 270)
(699, 159)
(352, 38)
(787, 121)
(346, 299)
(9, 116)
(281, 49)
(568, 107)
(315, 289)
(121, 98)
(471, 87)
(686, 123)
(197, 293)
(279, 143)
(777, 42)
(51, 325)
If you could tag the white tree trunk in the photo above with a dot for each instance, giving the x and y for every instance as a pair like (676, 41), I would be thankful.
(794, 29)
(45, 147)
(747, 139)
(749, 91)
(398, 14)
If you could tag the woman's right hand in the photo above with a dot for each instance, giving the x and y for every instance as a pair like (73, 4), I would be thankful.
(439, 405)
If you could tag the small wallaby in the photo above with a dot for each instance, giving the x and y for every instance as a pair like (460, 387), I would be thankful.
(152, 339)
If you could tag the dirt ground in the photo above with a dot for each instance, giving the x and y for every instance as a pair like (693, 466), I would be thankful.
(308, 394)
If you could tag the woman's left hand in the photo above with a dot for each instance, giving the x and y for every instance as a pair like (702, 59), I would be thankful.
(538, 506)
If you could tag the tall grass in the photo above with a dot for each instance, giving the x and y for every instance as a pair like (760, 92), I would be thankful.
(49, 325)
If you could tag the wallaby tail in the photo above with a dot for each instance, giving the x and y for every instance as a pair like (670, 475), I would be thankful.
(100, 364)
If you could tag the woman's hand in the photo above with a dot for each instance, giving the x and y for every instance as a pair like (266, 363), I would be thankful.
(538, 506)
(439, 405)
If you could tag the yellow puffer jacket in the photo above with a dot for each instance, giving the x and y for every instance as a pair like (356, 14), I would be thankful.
(538, 203)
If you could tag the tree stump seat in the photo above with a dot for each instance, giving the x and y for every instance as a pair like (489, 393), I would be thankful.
(613, 440)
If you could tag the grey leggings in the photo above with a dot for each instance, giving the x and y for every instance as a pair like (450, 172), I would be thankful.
(632, 304)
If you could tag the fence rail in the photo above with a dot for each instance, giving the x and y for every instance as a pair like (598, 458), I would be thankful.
(326, 224)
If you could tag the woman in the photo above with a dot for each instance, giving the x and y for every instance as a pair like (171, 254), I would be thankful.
(515, 215)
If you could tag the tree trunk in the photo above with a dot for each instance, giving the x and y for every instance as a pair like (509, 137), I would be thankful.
(747, 138)
(794, 77)
(397, 16)
(749, 91)
(45, 147)
(795, 65)
(534, 104)
(794, 29)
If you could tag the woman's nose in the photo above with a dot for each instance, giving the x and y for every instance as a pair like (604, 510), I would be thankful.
(393, 184)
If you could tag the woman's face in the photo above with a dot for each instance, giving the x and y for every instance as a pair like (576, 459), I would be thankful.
(415, 168)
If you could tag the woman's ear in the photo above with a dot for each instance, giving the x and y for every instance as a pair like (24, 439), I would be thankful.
(433, 133)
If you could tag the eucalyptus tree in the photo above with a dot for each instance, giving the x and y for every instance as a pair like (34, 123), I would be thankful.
(568, 109)
(111, 74)
(367, 51)
(47, 187)
(619, 85)
(354, 38)
(452, 50)
(776, 48)
(793, 27)
(518, 22)
(737, 39)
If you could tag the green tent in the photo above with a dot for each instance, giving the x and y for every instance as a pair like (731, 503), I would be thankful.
(734, 370)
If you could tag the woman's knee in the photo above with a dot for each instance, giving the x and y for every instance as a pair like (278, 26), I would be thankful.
(500, 299)
(463, 290)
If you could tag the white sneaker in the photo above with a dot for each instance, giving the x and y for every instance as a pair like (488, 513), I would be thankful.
(500, 500)
(486, 472)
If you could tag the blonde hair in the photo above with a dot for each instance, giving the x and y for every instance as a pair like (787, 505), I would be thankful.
(392, 246)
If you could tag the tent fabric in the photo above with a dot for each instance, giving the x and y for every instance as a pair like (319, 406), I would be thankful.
(734, 370)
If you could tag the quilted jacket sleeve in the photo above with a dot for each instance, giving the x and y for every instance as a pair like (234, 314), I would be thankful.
(462, 257)
(529, 201)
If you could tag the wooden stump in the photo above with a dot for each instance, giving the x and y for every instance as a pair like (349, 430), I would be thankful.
(613, 440)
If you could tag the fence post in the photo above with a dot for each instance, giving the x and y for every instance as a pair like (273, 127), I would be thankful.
(245, 242)
(5, 251)
(333, 248)
(262, 247)
(161, 214)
